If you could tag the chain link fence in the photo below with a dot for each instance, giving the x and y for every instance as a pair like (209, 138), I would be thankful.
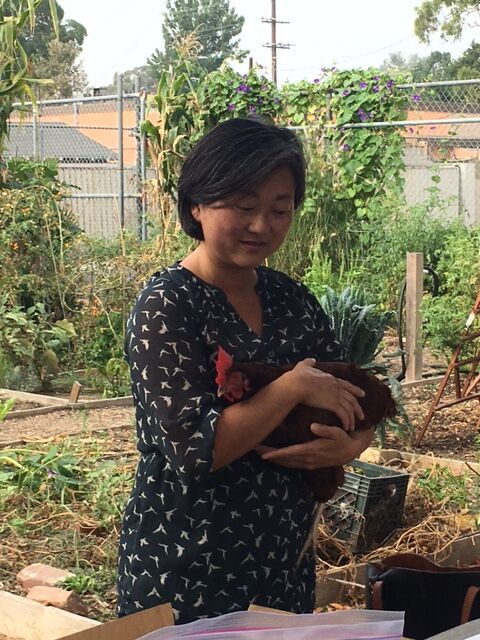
(101, 154)
(442, 147)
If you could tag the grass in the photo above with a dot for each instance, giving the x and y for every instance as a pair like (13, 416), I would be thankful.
(62, 504)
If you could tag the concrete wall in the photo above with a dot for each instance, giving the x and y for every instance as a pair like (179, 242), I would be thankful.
(98, 215)
(459, 184)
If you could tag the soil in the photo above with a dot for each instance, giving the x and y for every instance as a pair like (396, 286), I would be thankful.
(17, 431)
(453, 433)
(19, 405)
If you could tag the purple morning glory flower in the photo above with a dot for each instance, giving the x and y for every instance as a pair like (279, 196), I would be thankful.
(242, 87)
(231, 107)
(362, 85)
(375, 89)
(362, 114)
(416, 97)
(376, 78)
(323, 69)
(260, 100)
(390, 84)
(252, 108)
(316, 81)
(277, 100)
(346, 92)
(345, 147)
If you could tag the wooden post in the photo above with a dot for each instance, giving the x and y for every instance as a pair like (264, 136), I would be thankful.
(414, 317)
(75, 392)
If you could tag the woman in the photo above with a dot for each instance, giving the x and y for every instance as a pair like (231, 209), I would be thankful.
(215, 521)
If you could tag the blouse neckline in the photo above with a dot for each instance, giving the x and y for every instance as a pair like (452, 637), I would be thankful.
(193, 276)
(259, 288)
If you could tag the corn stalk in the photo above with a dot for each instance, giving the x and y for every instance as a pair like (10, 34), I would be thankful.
(16, 16)
(169, 137)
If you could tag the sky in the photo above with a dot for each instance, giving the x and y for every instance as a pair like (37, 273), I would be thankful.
(346, 33)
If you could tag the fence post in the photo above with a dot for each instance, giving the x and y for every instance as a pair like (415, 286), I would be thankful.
(36, 153)
(140, 159)
(414, 317)
(121, 177)
(143, 165)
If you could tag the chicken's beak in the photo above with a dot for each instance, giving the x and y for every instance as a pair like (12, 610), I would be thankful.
(220, 392)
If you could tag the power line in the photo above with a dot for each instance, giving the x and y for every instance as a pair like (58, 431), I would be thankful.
(355, 57)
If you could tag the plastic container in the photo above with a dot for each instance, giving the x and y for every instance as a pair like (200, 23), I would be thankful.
(368, 507)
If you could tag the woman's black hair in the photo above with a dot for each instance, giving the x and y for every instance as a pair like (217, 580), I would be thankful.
(232, 158)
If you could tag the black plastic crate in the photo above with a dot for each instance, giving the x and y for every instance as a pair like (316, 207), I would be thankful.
(368, 507)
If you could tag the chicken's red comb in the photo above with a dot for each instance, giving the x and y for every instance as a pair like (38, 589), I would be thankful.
(223, 364)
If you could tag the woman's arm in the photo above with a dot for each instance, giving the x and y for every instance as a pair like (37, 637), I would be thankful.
(242, 426)
(333, 447)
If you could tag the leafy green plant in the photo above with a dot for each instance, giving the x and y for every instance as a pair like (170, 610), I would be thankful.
(36, 234)
(5, 407)
(357, 325)
(458, 268)
(28, 339)
(80, 583)
(440, 484)
(64, 474)
(55, 473)
(113, 378)
(225, 94)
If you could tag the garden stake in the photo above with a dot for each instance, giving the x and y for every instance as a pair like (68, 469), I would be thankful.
(463, 392)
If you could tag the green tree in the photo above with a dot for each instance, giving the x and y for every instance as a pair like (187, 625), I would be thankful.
(63, 67)
(449, 17)
(468, 64)
(147, 79)
(436, 66)
(216, 26)
(36, 43)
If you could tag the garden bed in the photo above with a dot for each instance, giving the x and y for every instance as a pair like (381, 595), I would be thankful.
(82, 534)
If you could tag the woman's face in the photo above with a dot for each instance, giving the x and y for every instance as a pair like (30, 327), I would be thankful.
(246, 228)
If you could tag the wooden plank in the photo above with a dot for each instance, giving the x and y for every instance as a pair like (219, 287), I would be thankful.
(33, 397)
(414, 316)
(28, 620)
(88, 404)
(417, 461)
(132, 627)
(260, 609)
(75, 391)
(422, 382)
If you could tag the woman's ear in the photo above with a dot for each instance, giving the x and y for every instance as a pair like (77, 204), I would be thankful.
(196, 214)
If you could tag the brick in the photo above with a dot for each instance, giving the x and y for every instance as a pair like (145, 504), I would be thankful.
(40, 575)
(60, 598)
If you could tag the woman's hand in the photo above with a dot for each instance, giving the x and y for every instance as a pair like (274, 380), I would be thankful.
(333, 447)
(316, 388)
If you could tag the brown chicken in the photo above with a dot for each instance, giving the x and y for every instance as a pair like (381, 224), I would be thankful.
(237, 381)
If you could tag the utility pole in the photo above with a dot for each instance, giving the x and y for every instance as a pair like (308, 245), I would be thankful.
(274, 45)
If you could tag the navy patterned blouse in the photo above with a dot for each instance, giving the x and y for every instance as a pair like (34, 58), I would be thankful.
(212, 542)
